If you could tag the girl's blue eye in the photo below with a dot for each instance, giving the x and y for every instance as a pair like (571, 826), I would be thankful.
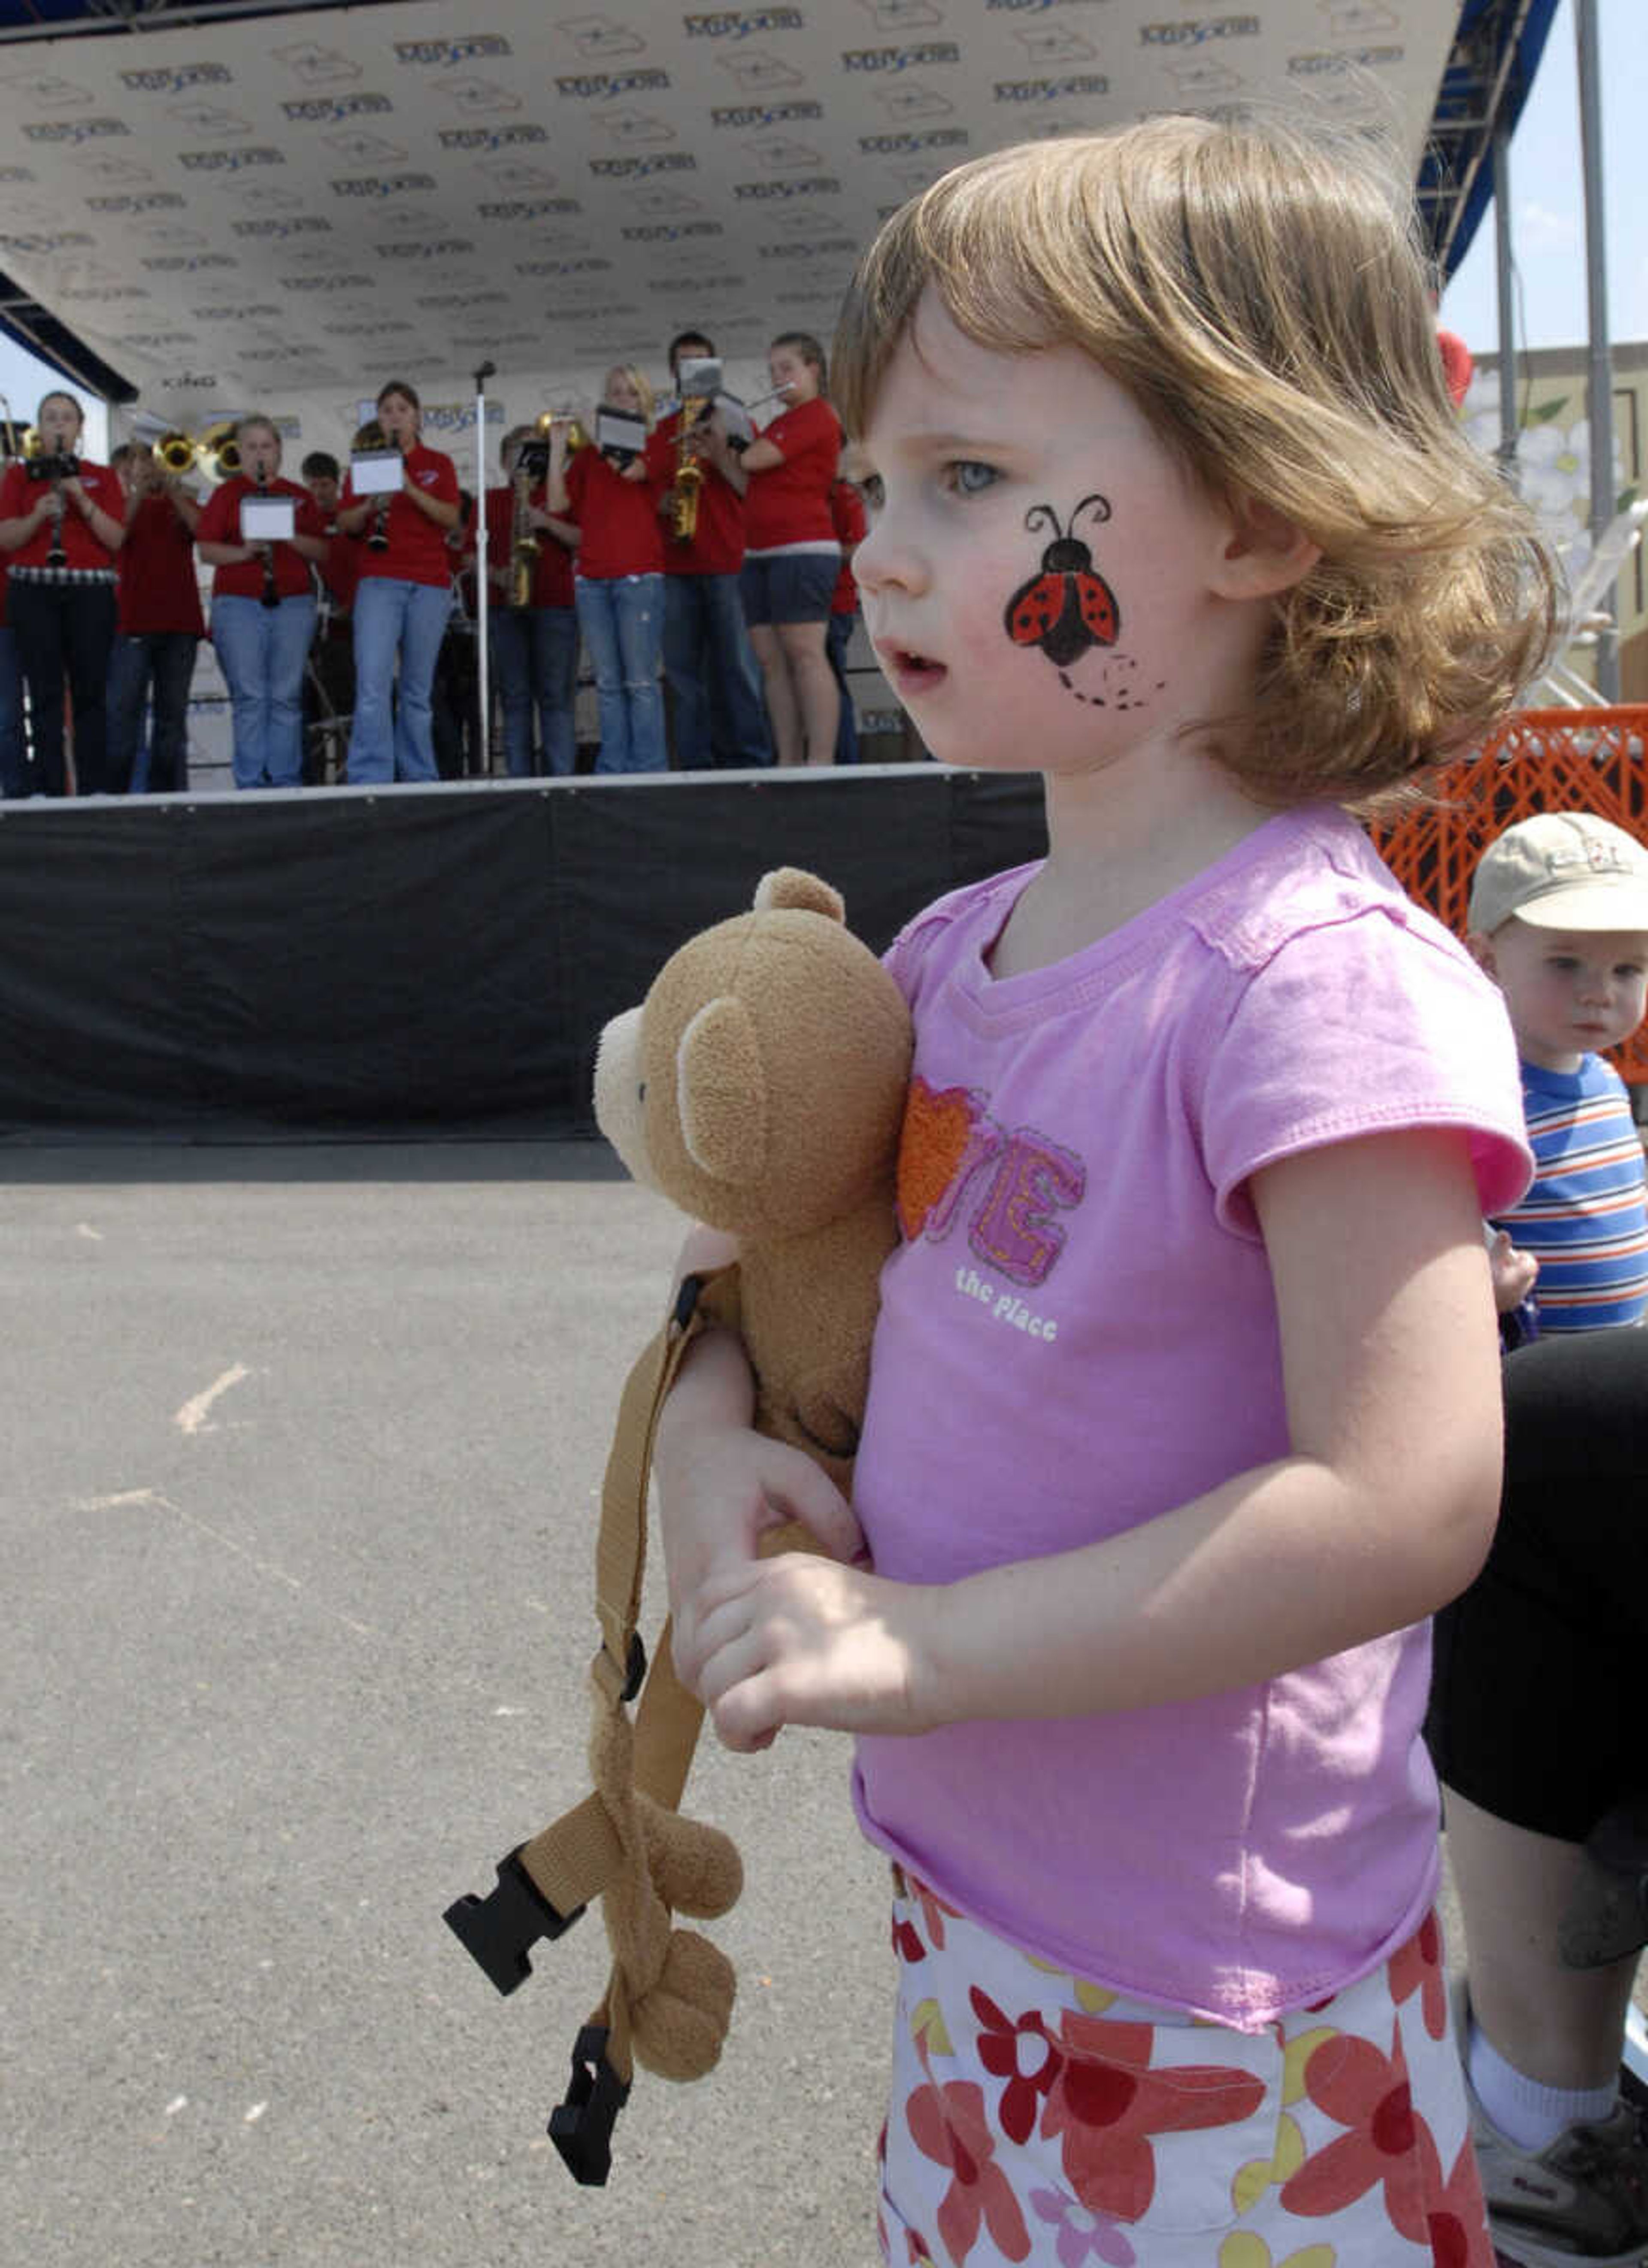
(871, 489)
(970, 478)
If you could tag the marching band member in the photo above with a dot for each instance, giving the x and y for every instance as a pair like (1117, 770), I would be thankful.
(532, 620)
(62, 528)
(717, 717)
(618, 579)
(403, 599)
(792, 556)
(262, 610)
(159, 624)
(329, 680)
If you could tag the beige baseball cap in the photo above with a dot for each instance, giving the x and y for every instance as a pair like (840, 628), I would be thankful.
(1562, 870)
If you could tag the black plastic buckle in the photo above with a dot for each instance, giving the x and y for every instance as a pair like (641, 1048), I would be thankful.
(635, 1668)
(497, 1929)
(581, 2128)
(687, 1301)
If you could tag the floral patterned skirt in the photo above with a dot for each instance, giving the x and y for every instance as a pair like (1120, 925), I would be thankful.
(1035, 2116)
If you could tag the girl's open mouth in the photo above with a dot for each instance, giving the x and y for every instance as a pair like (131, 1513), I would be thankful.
(912, 672)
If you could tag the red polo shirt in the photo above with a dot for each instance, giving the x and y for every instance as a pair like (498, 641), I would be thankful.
(155, 575)
(552, 581)
(220, 523)
(19, 494)
(617, 519)
(418, 551)
(790, 503)
(717, 547)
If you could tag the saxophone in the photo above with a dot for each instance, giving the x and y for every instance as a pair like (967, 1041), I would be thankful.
(688, 477)
(525, 542)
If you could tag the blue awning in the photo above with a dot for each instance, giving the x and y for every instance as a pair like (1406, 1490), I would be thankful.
(1496, 51)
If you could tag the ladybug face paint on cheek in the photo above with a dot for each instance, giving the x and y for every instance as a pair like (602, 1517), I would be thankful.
(1068, 608)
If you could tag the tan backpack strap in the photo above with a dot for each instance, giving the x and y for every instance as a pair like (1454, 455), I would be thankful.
(621, 1549)
(543, 1885)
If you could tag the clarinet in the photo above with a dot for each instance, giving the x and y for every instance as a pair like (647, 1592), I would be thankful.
(56, 556)
(269, 596)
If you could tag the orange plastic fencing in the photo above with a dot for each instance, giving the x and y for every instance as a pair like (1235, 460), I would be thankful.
(1592, 759)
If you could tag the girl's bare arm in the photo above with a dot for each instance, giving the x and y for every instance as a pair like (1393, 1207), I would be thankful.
(1382, 1511)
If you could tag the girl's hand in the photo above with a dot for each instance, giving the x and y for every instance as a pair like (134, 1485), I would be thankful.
(799, 1640)
(722, 1488)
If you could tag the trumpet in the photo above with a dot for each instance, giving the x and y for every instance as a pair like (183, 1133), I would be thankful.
(218, 445)
(531, 464)
(176, 453)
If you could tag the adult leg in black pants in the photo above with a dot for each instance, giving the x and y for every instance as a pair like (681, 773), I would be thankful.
(36, 615)
(1535, 1726)
(64, 633)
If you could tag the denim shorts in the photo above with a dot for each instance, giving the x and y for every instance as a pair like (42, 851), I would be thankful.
(789, 586)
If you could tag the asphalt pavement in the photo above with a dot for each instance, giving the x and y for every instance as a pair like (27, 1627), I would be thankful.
(298, 1508)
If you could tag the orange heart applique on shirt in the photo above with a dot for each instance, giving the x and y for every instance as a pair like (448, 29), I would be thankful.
(937, 1124)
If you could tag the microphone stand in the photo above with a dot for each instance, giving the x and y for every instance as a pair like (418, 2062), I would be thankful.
(482, 594)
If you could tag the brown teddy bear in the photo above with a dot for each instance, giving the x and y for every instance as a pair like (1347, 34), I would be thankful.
(760, 1085)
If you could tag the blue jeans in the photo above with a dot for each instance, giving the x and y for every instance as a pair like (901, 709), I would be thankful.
(262, 650)
(14, 780)
(720, 718)
(167, 659)
(621, 618)
(392, 615)
(534, 658)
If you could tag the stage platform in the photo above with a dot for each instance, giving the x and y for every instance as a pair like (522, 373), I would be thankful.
(415, 962)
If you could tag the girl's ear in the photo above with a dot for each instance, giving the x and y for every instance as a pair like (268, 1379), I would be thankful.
(1479, 945)
(1266, 553)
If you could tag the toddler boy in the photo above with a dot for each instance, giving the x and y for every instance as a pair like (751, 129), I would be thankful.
(1558, 917)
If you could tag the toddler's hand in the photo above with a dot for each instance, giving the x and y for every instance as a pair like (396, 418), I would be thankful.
(1513, 1273)
(724, 1488)
(799, 1640)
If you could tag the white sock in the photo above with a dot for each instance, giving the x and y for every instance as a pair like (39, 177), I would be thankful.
(1526, 2113)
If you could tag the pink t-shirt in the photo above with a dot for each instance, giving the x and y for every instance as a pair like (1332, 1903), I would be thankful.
(1079, 1332)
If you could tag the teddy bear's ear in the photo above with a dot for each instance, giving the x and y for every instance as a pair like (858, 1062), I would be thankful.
(791, 886)
(720, 1093)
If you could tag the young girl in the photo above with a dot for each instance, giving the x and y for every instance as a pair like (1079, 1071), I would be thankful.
(402, 600)
(618, 581)
(63, 534)
(793, 554)
(1184, 1405)
(262, 610)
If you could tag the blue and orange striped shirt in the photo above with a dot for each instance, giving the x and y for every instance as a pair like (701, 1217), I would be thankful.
(1585, 1217)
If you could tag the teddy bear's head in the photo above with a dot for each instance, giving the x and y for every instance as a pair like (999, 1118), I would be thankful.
(759, 1084)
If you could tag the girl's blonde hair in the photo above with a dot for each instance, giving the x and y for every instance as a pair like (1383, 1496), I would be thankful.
(1258, 290)
(642, 386)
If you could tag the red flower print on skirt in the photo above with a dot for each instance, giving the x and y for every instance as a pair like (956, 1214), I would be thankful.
(1416, 1966)
(1023, 2053)
(1455, 2218)
(1368, 2093)
(950, 2126)
(1106, 2101)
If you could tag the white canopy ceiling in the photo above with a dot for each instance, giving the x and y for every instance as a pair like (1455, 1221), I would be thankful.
(285, 212)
